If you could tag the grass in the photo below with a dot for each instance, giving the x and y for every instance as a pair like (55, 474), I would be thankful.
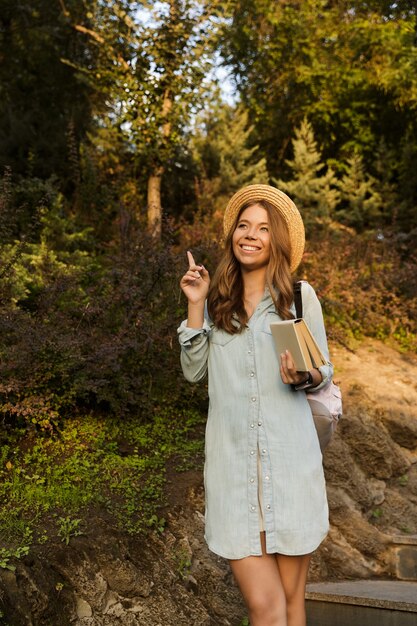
(50, 482)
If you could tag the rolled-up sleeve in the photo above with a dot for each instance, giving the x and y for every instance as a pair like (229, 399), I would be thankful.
(313, 315)
(194, 344)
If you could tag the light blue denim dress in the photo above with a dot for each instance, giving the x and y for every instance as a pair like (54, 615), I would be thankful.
(253, 414)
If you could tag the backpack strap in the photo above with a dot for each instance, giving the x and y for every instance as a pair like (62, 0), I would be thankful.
(298, 300)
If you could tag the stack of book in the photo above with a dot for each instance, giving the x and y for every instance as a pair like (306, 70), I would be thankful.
(295, 336)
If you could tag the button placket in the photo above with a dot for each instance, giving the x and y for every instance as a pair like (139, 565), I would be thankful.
(265, 477)
(252, 435)
(256, 441)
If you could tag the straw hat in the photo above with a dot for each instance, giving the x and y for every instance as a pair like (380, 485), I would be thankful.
(283, 204)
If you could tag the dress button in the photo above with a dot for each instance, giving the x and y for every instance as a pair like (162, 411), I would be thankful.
(253, 508)
(249, 351)
(259, 423)
(264, 451)
(268, 506)
(252, 374)
(252, 480)
(253, 399)
(252, 451)
(252, 425)
(266, 477)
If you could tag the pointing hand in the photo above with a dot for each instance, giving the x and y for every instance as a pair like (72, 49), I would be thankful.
(195, 282)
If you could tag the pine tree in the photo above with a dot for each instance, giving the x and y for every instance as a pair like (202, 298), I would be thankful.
(362, 205)
(226, 159)
(313, 186)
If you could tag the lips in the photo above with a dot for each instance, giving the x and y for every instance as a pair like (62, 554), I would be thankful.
(247, 248)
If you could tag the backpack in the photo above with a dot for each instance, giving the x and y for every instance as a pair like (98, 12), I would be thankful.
(325, 403)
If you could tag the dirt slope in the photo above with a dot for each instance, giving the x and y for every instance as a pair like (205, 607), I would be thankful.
(371, 465)
(388, 377)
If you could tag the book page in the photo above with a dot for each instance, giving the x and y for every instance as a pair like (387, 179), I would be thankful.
(317, 356)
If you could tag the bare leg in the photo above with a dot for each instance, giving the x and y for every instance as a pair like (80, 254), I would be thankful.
(260, 583)
(293, 572)
(273, 587)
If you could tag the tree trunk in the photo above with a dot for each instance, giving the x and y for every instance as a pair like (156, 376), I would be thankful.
(154, 202)
(155, 177)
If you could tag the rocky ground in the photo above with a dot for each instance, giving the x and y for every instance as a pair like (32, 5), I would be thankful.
(106, 577)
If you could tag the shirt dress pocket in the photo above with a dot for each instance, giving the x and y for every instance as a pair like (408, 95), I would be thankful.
(222, 338)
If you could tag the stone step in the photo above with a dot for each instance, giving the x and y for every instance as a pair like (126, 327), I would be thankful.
(404, 550)
(362, 603)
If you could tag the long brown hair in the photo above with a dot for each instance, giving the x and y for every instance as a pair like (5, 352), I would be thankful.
(226, 298)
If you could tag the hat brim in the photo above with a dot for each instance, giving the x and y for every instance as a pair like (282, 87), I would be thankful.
(284, 205)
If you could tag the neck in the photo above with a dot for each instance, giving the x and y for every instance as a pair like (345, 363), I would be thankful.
(253, 289)
(254, 281)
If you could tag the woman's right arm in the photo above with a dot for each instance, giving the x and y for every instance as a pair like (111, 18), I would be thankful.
(193, 332)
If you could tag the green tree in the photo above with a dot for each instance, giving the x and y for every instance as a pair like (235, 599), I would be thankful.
(106, 190)
(156, 89)
(225, 156)
(405, 213)
(349, 67)
(313, 184)
(225, 159)
(362, 205)
(45, 106)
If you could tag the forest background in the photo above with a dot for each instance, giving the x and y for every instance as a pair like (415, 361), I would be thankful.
(124, 129)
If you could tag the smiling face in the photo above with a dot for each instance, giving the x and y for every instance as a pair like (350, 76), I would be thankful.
(251, 240)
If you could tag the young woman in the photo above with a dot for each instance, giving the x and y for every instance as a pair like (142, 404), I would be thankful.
(266, 507)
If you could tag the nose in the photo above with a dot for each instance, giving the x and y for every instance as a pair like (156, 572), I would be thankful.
(251, 234)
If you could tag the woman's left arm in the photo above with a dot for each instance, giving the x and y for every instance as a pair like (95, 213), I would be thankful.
(313, 315)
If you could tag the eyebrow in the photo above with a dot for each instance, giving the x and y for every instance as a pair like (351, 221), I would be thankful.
(248, 222)
(242, 219)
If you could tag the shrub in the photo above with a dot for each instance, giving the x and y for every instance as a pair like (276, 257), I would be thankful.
(97, 332)
(366, 284)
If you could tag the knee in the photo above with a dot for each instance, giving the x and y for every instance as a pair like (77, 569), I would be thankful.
(267, 609)
(295, 604)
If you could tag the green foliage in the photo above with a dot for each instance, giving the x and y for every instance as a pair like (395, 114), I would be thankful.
(44, 104)
(62, 252)
(6, 555)
(51, 483)
(68, 528)
(370, 289)
(172, 60)
(405, 215)
(155, 67)
(350, 68)
(354, 198)
(183, 562)
(157, 523)
(77, 330)
(313, 185)
(363, 205)
(226, 159)
(377, 513)
(403, 480)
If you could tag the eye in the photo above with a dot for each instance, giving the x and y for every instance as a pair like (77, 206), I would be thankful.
(264, 229)
(241, 225)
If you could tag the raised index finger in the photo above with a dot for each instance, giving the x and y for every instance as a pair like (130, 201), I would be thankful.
(190, 257)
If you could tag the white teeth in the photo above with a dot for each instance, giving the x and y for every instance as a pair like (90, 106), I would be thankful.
(249, 248)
